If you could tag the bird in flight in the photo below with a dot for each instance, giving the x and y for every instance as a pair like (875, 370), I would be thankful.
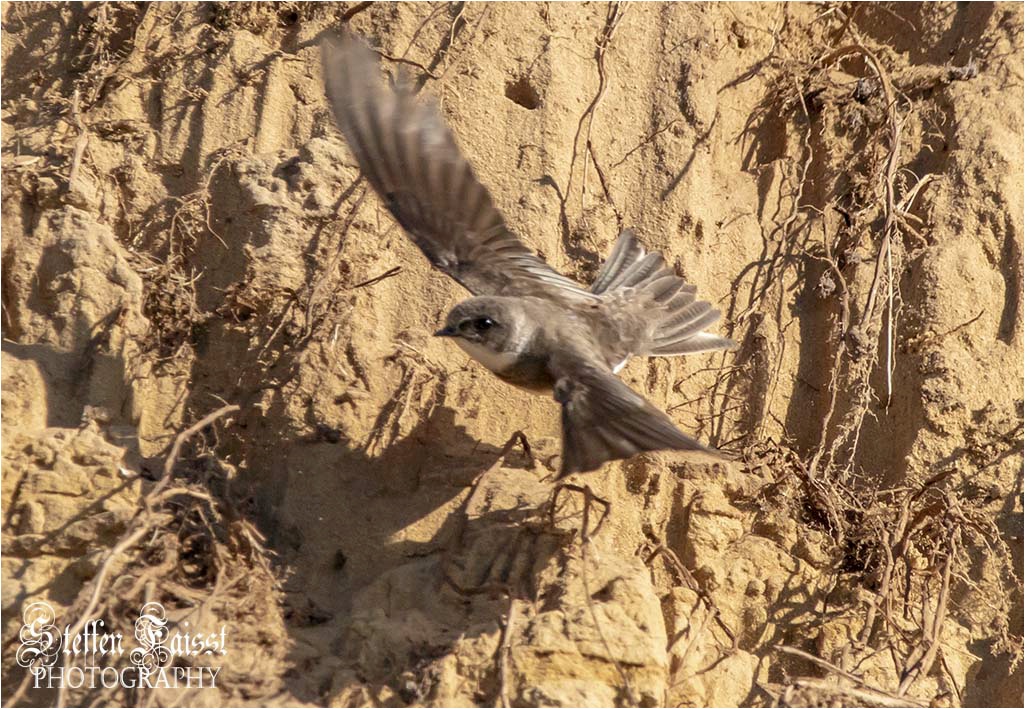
(528, 324)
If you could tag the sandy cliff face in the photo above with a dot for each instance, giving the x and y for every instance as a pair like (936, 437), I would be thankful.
(183, 228)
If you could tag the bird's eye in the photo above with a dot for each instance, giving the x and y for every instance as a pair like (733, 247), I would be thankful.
(482, 324)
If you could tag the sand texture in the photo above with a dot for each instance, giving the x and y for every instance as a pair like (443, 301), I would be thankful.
(185, 234)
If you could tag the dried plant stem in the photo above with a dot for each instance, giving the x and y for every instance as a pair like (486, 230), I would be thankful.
(505, 651)
(864, 690)
(144, 521)
(584, 545)
(647, 140)
(688, 578)
(179, 441)
(612, 19)
(883, 257)
(873, 696)
(920, 663)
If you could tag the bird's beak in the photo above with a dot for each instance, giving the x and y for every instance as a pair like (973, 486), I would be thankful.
(447, 331)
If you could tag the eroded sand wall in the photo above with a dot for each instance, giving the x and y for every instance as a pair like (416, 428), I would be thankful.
(181, 228)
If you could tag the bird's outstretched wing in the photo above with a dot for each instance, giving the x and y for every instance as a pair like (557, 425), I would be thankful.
(650, 309)
(603, 419)
(410, 157)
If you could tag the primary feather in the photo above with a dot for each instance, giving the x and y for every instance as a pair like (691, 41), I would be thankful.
(411, 159)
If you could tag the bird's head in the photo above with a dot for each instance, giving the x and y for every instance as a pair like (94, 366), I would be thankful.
(496, 324)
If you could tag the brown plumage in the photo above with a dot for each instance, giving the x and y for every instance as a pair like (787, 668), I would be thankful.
(529, 324)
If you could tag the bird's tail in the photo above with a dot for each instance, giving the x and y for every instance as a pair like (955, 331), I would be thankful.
(677, 317)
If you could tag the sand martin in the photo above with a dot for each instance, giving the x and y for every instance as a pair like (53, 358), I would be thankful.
(528, 324)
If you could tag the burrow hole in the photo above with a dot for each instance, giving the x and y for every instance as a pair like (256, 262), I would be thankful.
(521, 92)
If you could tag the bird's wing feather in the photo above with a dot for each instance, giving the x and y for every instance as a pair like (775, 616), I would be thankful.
(648, 308)
(411, 159)
(603, 419)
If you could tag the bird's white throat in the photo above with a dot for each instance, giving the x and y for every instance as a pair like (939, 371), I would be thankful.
(497, 362)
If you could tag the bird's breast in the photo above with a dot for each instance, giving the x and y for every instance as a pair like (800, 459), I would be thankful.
(497, 362)
(515, 368)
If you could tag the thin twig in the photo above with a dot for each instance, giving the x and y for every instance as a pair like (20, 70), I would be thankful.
(962, 326)
(865, 695)
(126, 542)
(920, 667)
(377, 279)
(612, 17)
(355, 10)
(824, 664)
(179, 441)
(402, 60)
(604, 184)
(80, 142)
(585, 543)
(647, 139)
(692, 583)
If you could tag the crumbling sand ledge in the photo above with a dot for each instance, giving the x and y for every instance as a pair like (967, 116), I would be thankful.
(182, 227)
